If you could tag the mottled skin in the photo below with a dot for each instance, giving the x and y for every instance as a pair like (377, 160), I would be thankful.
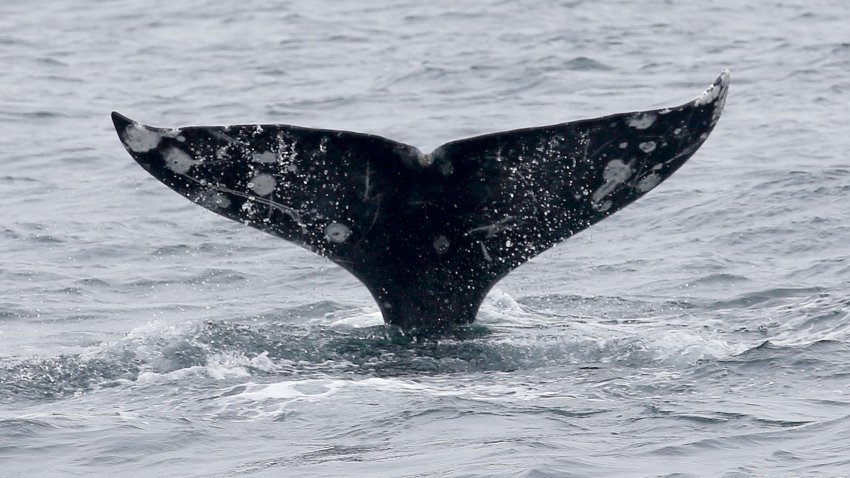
(428, 235)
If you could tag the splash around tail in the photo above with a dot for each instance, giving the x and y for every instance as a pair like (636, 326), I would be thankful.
(428, 234)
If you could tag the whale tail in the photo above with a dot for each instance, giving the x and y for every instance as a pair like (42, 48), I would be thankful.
(428, 234)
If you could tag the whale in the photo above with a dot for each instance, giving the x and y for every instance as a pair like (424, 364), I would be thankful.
(428, 234)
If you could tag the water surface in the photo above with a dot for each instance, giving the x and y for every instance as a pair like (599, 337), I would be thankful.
(703, 331)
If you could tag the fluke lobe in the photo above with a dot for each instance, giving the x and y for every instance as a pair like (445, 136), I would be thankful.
(428, 234)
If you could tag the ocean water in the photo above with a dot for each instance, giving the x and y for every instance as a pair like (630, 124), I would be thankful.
(702, 331)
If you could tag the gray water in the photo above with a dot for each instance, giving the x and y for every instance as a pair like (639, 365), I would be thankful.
(702, 331)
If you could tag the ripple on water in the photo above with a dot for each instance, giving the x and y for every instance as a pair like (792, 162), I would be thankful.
(583, 63)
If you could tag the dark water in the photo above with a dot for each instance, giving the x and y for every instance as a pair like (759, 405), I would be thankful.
(703, 331)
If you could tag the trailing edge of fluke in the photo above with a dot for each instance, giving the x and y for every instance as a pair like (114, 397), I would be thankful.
(428, 234)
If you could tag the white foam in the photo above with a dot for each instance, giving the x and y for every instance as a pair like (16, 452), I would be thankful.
(358, 318)
(313, 389)
(501, 300)
(317, 389)
(268, 401)
(684, 348)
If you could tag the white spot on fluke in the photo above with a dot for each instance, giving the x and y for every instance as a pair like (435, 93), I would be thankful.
(616, 173)
(213, 200)
(337, 233)
(178, 160)
(485, 252)
(642, 120)
(602, 206)
(141, 139)
(713, 91)
(708, 95)
(265, 157)
(648, 182)
(647, 147)
(263, 184)
(441, 244)
(446, 167)
(492, 229)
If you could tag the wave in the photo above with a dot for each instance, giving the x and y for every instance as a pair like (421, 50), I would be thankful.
(327, 339)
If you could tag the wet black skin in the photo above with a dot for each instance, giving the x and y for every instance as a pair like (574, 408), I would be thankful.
(429, 235)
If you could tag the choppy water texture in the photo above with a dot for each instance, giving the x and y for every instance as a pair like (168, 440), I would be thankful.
(703, 331)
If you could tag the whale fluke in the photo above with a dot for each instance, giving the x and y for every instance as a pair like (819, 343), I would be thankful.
(428, 234)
